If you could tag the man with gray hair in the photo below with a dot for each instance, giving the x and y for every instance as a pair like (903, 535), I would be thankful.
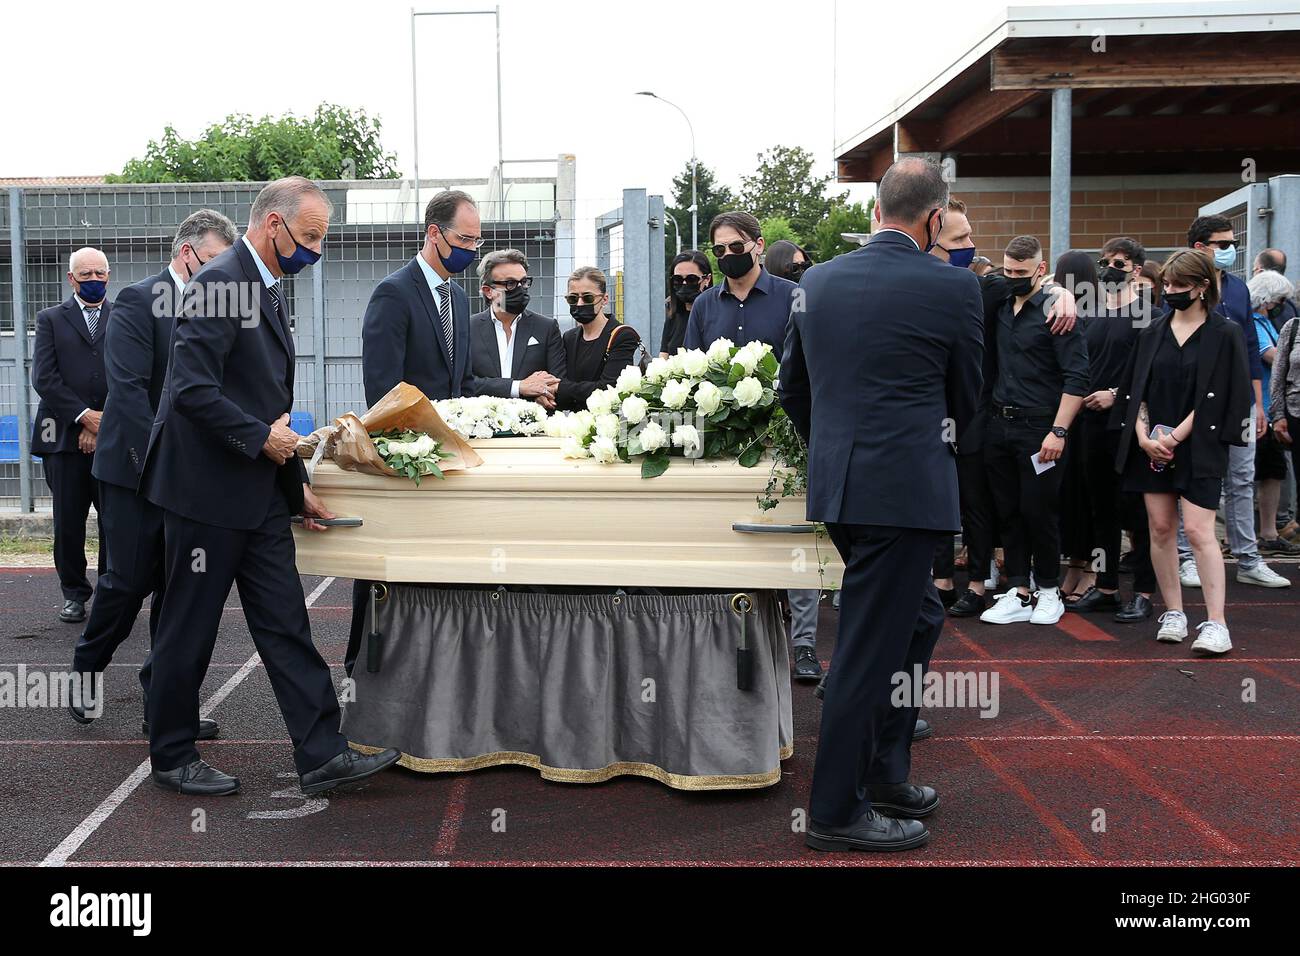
(1267, 289)
(135, 361)
(68, 375)
(222, 465)
(881, 369)
(515, 352)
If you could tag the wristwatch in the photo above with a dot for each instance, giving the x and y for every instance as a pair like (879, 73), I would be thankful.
(1059, 432)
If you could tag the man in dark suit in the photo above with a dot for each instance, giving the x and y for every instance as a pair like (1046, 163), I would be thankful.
(68, 375)
(881, 370)
(515, 352)
(222, 465)
(135, 355)
(416, 330)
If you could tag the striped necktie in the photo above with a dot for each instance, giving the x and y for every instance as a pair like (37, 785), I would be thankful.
(92, 319)
(281, 313)
(444, 309)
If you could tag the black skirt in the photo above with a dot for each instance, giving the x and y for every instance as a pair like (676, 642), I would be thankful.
(1139, 478)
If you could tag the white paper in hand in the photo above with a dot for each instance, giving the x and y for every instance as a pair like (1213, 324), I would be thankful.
(1040, 466)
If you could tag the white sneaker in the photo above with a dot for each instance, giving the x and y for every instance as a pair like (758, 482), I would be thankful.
(1211, 638)
(1188, 574)
(991, 582)
(1050, 607)
(1262, 575)
(1173, 627)
(1009, 608)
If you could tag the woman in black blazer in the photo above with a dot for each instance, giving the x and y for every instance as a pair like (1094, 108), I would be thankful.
(1186, 396)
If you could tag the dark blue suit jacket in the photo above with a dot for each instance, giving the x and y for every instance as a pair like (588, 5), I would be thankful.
(135, 358)
(881, 372)
(402, 339)
(228, 379)
(67, 373)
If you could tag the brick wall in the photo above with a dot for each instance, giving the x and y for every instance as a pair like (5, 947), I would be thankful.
(1158, 218)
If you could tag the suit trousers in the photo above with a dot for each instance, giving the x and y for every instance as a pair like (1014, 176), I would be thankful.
(202, 562)
(978, 521)
(74, 490)
(1028, 505)
(890, 620)
(132, 529)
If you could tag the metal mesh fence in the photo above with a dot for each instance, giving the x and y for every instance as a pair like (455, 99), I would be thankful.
(377, 229)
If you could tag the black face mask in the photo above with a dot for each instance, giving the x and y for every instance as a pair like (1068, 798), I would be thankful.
(734, 266)
(686, 294)
(1019, 287)
(1275, 311)
(190, 272)
(1179, 301)
(1111, 274)
(514, 301)
(583, 313)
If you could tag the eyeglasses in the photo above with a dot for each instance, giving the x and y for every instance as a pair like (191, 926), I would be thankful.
(687, 280)
(1221, 243)
(735, 248)
(475, 241)
(511, 284)
(1112, 263)
(586, 298)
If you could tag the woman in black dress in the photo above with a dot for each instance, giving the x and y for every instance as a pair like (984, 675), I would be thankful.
(690, 275)
(1186, 397)
(598, 347)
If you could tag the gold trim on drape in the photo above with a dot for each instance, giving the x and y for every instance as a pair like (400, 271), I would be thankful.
(677, 781)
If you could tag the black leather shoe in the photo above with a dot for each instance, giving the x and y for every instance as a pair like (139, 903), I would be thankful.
(1094, 600)
(1138, 609)
(348, 771)
(820, 692)
(208, 729)
(74, 612)
(923, 730)
(806, 665)
(79, 713)
(947, 596)
(969, 604)
(197, 779)
(903, 799)
(871, 831)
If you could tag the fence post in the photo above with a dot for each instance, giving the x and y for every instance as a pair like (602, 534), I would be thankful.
(319, 397)
(22, 375)
(566, 215)
(656, 264)
(636, 261)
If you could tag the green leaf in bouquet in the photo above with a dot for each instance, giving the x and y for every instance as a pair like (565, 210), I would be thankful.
(736, 374)
(750, 454)
(654, 464)
(769, 364)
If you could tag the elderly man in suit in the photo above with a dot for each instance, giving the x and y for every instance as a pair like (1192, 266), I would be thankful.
(515, 352)
(135, 355)
(68, 375)
(881, 368)
(416, 330)
(222, 465)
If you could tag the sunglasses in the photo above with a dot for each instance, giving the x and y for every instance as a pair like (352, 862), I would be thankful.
(690, 280)
(1221, 243)
(511, 284)
(1116, 263)
(586, 298)
(799, 268)
(735, 248)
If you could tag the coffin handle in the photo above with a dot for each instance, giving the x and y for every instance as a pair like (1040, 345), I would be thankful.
(745, 528)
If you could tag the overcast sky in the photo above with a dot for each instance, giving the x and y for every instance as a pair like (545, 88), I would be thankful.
(89, 83)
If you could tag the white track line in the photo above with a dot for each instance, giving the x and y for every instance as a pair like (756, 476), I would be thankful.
(72, 842)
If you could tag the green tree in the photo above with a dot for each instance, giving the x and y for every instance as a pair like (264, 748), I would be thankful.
(334, 143)
(841, 219)
(777, 228)
(784, 186)
(712, 196)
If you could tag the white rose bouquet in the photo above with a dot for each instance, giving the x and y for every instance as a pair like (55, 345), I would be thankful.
(413, 454)
(484, 416)
(709, 403)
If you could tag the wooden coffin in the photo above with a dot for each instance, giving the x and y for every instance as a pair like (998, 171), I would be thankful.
(529, 516)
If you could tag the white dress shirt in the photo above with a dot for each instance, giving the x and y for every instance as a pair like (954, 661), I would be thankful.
(84, 309)
(506, 349)
(268, 280)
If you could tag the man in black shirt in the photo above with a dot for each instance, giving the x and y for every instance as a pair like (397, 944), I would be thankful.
(1041, 381)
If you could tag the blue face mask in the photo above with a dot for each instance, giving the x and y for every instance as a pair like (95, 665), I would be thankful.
(301, 258)
(961, 258)
(92, 290)
(458, 259)
(1224, 258)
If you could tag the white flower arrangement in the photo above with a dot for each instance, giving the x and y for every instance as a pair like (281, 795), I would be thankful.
(485, 416)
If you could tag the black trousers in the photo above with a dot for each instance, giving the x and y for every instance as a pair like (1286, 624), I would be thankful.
(890, 619)
(978, 521)
(74, 490)
(1028, 505)
(1078, 535)
(202, 561)
(132, 529)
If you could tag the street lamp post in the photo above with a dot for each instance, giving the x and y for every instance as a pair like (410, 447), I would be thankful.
(695, 208)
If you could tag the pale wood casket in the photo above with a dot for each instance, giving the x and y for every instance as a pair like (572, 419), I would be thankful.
(527, 515)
